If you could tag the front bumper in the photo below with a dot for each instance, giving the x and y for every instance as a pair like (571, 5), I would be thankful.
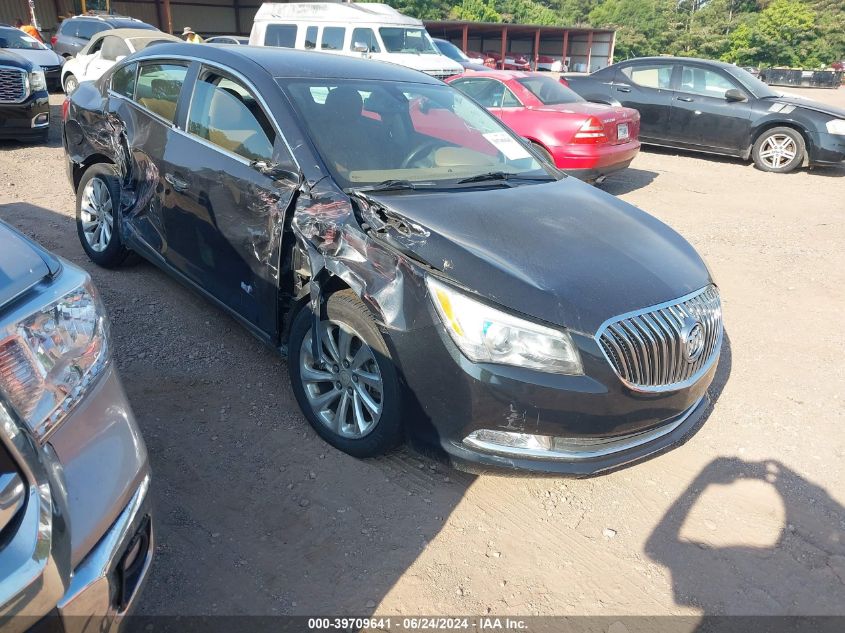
(25, 121)
(612, 424)
(827, 149)
(105, 584)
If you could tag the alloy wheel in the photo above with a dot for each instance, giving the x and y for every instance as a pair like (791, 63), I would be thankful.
(97, 214)
(71, 84)
(778, 150)
(344, 386)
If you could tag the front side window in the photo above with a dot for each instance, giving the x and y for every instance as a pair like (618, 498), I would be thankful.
(123, 80)
(650, 76)
(366, 37)
(282, 35)
(226, 114)
(311, 37)
(114, 48)
(369, 131)
(332, 39)
(158, 88)
(549, 91)
(398, 39)
(701, 81)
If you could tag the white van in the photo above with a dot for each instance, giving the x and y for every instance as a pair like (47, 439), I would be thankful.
(372, 30)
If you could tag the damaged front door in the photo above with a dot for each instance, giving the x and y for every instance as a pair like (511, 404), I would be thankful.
(234, 180)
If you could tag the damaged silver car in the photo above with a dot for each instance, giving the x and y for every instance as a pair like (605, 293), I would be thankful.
(425, 272)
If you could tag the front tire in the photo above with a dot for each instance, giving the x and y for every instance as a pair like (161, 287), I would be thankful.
(779, 150)
(71, 83)
(351, 394)
(97, 210)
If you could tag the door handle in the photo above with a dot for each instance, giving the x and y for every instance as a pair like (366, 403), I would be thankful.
(177, 183)
(686, 99)
(622, 89)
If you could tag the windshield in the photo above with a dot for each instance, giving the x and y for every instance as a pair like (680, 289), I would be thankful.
(18, 40)
(757, 87)
(370, 131)
(549, 91)
(451, 51)
(398, 39)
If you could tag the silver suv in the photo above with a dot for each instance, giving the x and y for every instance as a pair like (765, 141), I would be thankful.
(76, 535)
(74, 33)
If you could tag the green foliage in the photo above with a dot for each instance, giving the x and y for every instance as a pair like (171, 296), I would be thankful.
(798, 33)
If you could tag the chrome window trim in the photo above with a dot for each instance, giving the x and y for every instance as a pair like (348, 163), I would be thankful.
(675, 386)
(27, 89)
(225, 69)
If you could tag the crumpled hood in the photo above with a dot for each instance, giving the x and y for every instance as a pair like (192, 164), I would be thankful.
(564, 252)
(809, 104)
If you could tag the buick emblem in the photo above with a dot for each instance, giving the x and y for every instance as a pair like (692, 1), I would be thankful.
(692, 337)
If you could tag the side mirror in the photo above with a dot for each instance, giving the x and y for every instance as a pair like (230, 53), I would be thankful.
(734, 95)
(360, 47)
(276, 172)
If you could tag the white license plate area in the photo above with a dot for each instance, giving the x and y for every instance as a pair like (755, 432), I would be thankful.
(622, 131)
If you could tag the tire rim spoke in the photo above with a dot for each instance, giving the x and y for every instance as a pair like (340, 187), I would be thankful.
(96, 215)
(348, 396)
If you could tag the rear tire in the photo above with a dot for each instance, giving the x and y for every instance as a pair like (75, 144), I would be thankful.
(97, 216)
(779, 150)
(351, 395)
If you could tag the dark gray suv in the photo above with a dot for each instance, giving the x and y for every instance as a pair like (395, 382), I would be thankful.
(74, 33)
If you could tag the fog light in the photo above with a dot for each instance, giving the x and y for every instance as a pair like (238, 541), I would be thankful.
(488, 439)
(41, 120)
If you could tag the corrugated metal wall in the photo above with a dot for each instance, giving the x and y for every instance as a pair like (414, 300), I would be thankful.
(207, 17)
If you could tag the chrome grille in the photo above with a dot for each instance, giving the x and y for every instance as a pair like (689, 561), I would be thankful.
(654, 349)
(440, 74)
(13, 86)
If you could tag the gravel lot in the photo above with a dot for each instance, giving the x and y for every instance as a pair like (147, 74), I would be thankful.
(256, 515)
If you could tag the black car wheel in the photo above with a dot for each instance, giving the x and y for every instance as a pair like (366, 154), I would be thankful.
(351, 393)
(71, 84)
(779, 150)
(97, 202)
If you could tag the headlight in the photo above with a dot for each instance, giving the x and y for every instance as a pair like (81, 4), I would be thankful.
(836, 126)
(487, 335)
(37, 81)
(48, 359)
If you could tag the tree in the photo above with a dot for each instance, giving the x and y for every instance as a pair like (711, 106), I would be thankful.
(475, 11)
(783, 34)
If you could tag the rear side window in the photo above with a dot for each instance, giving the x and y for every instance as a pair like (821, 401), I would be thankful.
(86, 29)
(283, 35)
(123, 80)
(114, 47)
(224, 113)
(366, 37)
(650, 76)
(311, 37)
(332, 39)
(486, 92)
(549, 91)
(158, 88)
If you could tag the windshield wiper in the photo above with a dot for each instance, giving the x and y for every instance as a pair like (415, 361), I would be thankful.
(384, 185)
(501, 175)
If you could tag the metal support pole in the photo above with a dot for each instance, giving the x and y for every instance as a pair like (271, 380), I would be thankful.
(565, 46)
(465, 38)
(536, 49)
(168, 19)
(504, 45)
(589, 49)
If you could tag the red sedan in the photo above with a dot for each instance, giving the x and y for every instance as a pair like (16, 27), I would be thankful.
(587, 140)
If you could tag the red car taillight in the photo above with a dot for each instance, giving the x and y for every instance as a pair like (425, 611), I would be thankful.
(65, 109)
(53, 40)
(592, 131)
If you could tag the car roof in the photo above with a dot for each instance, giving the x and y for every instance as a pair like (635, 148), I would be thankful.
(672, 58)
(128, 34)
(288, 62)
